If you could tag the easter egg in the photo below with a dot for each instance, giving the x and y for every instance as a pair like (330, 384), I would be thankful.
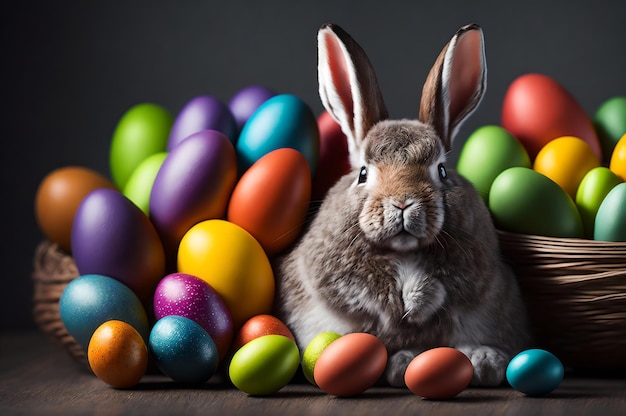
(90, 300)
(264, 365)
(193, 184)
(142, 131)
(566, 160)
(58, 197)
(591, 192)
(524, 201)
(191, 297)
(203, 112)
(535, 372)
(610, 123)
(313, 351)
(139, 184)
(282, 121)
(350, 365)
(439, 373)
(113, 237)
(246, 101)
(487, 152)
(271, 199)
(334, 161)
(618, 158)
(117, 354)
(610, 224)
(537, 109)
(183, 350)
(229, 259)
(258, 326)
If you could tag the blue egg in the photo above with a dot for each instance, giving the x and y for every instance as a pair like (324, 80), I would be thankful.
(183, 350)
(282, 121)
(92, 299)
(535, 372)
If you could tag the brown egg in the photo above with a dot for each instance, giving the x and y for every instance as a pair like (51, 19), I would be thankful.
(258, 326)
(439, 373)
(350, 364)
(58, 197)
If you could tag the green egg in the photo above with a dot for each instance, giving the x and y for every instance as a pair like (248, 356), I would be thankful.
(264, 365)
(611, 217)
(527, 202)
(313, 351)
(610, 124)
(488, 151)
(142, 131)
(592, 190)
(139, 184)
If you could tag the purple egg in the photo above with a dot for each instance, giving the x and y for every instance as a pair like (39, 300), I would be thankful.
(193, 298)
(193, 184)
(113, 237)
(246, 101)
(204, 112)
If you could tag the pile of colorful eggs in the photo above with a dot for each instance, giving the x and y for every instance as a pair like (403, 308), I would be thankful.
(550, 169)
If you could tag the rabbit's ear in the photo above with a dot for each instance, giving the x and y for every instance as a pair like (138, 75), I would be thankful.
(347, 85)
(456, 83)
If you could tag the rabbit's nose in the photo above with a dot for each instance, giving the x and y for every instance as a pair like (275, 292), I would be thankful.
(402, 205)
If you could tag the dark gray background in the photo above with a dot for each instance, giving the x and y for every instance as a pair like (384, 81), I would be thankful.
(70, 69)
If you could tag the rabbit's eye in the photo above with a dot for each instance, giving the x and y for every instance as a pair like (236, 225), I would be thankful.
(363, 175)
(443, 175)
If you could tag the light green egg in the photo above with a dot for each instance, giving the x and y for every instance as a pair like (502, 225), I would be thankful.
(610, 124)
(139, 184)
(594, 187)
(264, 365)
(142, 131)
(488, 151)
(313, 351)
(610, 222)
(527, 202)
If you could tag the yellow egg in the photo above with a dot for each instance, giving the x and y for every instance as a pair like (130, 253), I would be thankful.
(117, 354)
(229, 259)
(618, 158)
(566, 160)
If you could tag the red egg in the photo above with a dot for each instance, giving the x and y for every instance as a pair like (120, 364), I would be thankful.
(333, 160)
(350, 364)
(439, 373)
(258, 326)
(271, 199)
(537, 109)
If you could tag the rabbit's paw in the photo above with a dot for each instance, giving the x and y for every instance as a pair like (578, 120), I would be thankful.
(489, 365)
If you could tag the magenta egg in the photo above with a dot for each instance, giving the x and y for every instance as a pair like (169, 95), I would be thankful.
(191, 297)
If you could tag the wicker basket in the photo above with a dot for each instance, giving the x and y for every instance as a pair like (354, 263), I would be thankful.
(575, 291)
(53, 270)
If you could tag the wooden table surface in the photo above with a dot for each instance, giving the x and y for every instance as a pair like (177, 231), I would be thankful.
(38, 377)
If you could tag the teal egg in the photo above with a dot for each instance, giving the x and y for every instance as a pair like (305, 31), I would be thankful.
(92, 299)
(535, 372)
(610, 123)
(282, 121)
(610, 224)
(183, 350)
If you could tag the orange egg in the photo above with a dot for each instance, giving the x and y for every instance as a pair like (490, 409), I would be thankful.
(537, 109)
(439, 373)
(258, 326)
(117, 354)
(58, 197)
(271, 199)
(566, 160)
(618, 158)
(350, 364)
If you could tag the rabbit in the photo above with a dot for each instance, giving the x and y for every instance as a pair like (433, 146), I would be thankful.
(403, 247)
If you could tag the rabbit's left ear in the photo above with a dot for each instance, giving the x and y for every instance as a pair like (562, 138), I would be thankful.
(456, 83)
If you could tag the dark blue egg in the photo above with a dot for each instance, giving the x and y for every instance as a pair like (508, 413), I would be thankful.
(183, 350)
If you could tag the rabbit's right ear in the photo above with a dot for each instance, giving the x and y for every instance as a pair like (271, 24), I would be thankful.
(347, 85)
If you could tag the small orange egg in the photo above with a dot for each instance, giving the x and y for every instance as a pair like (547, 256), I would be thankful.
(271, 199)
(439, 373)
(258, 326)
(117, 354)
(618, 158)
